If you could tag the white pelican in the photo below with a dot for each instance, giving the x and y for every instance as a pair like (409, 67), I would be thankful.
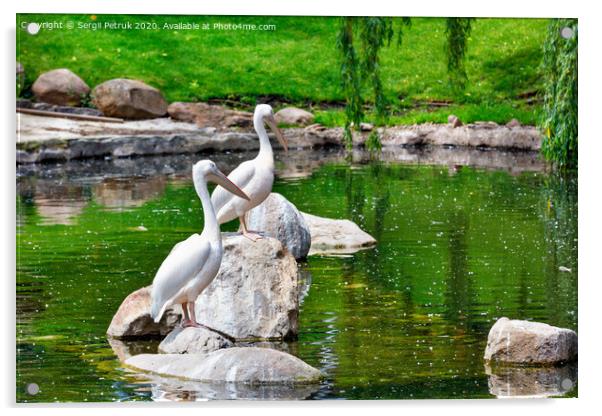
(193, 263)
(255, 177)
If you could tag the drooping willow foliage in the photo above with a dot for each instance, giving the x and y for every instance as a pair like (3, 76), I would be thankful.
(559, 115)
(361, 66)
(457, 30)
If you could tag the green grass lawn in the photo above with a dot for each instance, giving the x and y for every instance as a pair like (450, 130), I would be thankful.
(298, 63)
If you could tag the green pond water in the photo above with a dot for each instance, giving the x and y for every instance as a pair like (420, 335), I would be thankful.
(458, 248)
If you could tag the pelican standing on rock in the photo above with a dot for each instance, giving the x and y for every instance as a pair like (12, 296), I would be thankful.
(255, 177)
(193, 263)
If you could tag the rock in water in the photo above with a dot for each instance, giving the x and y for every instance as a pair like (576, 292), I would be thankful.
(248, 365)
(60, 87)
(130, 99)
(294, 115)
(255, 294)
(133, 319)
(524, 342)
(330, 236)
(193, 341)
(280, 219)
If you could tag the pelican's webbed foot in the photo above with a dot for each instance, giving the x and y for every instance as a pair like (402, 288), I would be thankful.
(252, 236)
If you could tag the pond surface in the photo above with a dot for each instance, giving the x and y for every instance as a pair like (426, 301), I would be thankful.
(458, 248)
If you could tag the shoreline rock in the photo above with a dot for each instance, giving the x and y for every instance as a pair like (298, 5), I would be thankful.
(530, 343)
(60, 87)
(129, 99)
(247, 365)
(46, 139)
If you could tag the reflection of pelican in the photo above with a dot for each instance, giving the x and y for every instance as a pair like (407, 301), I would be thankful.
(254, 176)
(193, 263)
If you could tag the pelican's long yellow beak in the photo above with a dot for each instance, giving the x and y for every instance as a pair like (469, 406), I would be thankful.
(271, 121)
(222, 180)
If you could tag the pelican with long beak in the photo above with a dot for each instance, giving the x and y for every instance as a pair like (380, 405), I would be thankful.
(255, 177)
(193, 263)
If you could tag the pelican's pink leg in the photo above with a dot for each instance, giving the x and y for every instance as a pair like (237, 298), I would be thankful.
(249, 234)
(192, 320)
(186, 322)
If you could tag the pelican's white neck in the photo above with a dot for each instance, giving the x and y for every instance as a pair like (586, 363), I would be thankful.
(210, 226)
(265, 148)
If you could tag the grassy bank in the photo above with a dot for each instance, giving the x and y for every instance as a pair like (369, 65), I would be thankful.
(296, 63)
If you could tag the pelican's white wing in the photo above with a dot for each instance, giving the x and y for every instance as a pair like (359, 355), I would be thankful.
(241, 176)
(183, 263)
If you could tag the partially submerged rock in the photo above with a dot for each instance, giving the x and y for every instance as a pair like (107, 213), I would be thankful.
(330, 236)
(525, 342)
(248, 365)
(255, 294)
(193, 341)
(60, 87)
(280, 219)
(294, 116)
(508, 381)
(133, 319)
(129, 99)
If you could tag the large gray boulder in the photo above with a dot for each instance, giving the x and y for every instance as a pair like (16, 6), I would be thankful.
(248, 365)
(280, 219)
(525, 342)
(60, 87)
(129, 99)
(294, 116)
(133, 319)
(193, 341)
(330, 236)
(255, 294)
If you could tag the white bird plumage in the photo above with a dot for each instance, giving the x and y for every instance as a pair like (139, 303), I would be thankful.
(193, 263)
(255, 177)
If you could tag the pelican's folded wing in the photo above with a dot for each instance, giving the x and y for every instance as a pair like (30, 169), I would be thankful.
(182, 264)
(241, 176)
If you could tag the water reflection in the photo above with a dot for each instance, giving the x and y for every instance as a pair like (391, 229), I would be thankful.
(513, 382)
(128, 193)
(171, 389)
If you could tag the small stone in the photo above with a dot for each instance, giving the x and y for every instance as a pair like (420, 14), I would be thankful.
(454, 121)
(129, 99)
(525, 342)
(60, 87)
(294, 116)
(513, 123)
(366, 127)
(193, 341)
